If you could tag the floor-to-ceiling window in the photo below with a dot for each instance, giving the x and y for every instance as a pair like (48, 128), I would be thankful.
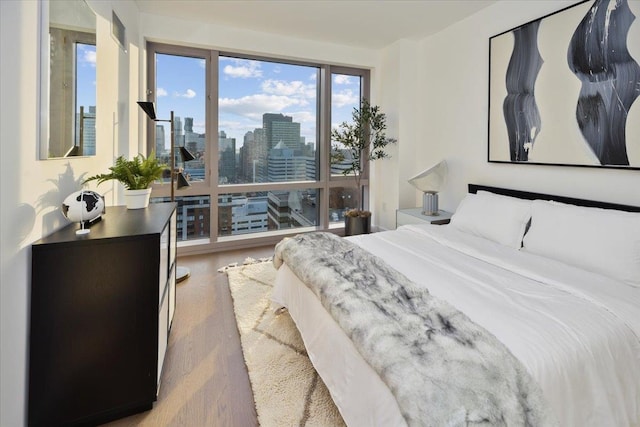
(268, 134)
(346, 93)
(178, 82)
(259, 129)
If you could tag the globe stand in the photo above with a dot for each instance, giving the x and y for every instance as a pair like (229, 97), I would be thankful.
(75, 205)
(182, 273)
(83, 231)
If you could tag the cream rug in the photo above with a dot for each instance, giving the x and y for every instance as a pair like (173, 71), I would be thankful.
(286, 388)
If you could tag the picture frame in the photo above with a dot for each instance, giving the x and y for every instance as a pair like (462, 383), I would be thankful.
(564, 89)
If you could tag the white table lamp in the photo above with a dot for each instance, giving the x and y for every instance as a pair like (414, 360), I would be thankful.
(430, 181)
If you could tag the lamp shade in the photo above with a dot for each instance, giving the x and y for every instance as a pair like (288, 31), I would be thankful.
(148, 108)
(182, 180)
(186, 155)
(431, 179)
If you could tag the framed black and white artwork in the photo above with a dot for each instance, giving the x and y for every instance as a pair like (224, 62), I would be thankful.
(564, 88)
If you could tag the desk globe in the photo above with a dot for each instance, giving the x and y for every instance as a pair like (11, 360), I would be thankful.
(83, 206)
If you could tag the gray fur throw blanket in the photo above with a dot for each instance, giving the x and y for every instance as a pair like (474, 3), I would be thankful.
(442, 368)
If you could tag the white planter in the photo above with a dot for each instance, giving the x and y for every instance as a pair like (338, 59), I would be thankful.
(137, 199)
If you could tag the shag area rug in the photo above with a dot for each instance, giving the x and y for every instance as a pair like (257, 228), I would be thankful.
(286, 388)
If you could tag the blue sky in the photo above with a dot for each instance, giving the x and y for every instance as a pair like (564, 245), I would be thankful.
(248, 89)
(86, 75)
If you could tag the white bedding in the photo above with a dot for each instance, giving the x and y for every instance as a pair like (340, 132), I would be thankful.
(576, 332)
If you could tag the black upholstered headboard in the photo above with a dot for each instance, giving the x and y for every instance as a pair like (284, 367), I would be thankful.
(473, 188)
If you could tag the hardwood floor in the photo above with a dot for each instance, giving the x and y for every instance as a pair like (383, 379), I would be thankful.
(205, 381)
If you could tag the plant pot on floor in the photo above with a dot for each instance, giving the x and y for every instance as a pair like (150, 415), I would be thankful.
(354, 225)
(137, 199)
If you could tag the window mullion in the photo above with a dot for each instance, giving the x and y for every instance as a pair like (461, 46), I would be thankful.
(324, 145)
(212, 139)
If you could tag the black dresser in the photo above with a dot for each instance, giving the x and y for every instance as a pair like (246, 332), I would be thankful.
(101, 311)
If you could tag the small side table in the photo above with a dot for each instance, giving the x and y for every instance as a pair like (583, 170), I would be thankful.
(415, 216)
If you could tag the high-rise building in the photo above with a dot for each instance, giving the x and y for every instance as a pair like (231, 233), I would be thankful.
(291, 209)
(274, 153)
(338, 167)
(226, 159)
(241, 215)
(193, 141)
(178, 132)
(286, 207)
(192, 216)
(160, 147)
(278, 127)
(254, 157)
(286, 164)
(88, 131)
(242, 157)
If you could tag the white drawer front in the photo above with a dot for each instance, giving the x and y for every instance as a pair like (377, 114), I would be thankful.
(163, 335)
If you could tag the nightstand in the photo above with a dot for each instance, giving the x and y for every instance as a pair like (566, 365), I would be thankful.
(414, 216)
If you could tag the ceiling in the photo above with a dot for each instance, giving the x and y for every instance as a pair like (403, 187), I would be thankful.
(361, 23)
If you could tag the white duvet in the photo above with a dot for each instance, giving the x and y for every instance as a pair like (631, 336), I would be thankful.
(576, 332)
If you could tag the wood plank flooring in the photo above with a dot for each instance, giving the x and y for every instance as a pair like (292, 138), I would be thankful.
(205, 381)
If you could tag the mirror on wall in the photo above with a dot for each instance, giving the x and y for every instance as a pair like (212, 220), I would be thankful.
(68, 79)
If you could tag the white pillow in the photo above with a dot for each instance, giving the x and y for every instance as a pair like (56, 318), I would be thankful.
(605, 241)
(501, 219)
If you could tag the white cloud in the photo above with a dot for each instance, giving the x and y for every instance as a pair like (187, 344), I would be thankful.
(294, 88)
(199, 126)
(253, 106)
(189, 93)
(303, 116)
(296, 98)
(90, 57)
(345, 97)
(234, 127)
(161, 92)
(243, 69)
(341, 79)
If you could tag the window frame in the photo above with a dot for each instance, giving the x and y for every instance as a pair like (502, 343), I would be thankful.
(210, 186)
(338, 181)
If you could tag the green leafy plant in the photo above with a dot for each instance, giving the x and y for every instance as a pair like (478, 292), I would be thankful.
(135, 174)
(365, 140)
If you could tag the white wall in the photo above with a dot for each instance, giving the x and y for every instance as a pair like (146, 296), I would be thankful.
(212, 36)
(32, 190)
(395, 84)
(454, 115)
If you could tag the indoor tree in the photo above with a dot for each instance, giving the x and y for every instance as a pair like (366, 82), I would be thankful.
(365, 140)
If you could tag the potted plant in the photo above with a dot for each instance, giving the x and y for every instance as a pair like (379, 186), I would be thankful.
(136, 175)
(364, 140)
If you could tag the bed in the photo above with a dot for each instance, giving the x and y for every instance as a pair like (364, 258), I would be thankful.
(526, 268)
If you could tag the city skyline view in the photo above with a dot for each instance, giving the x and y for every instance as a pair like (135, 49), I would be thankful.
(247, 90)
(267, 130)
